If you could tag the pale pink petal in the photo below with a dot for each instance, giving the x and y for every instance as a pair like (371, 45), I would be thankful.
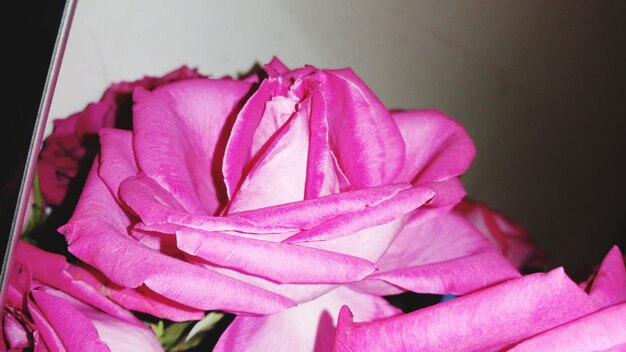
(437, 147)
(440, 254)
(186, 121)
(75, 331)
(98, 235)
(307, 327)
(609, 284)
(279, 262)
(599, 331)
(279, 175)
(488, 320)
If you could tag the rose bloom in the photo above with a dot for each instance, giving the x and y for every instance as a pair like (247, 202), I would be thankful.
(281, 200)
(49, 308)
(74, 139)
(537, 312)
(513, 240)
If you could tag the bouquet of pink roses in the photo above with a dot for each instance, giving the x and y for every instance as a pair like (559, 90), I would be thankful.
(286, 210)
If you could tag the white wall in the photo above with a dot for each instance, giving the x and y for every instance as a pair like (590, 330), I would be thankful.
(535, 83)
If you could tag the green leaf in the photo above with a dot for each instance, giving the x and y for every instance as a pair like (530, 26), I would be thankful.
(185, 335)
(157, 328)
(38, 213)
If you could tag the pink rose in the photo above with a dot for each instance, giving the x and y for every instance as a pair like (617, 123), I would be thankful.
(537, 312)
(281, 201)
(513, 240)
(48, 308)
(74, 139)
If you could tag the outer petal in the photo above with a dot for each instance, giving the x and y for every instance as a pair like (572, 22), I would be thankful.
(186, 121)
(74, 330)
(307, 327)
(368, 146)
(141, 299)
(512, 239)
(437, 147)
(387, 211)
(488, 320)
(278, 262)
(52, 270)
(609, 284)
(599, 331)
(117, 334)
(117, 161)
(98, 234)
(440, 254)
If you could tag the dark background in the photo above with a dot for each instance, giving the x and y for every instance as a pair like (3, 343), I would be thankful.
(29, 31)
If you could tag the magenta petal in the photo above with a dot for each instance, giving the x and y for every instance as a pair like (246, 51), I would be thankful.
(369, 147)
(117, 161)
(437, 147)
(98, 235)
(307, 327)
(609, 284)
(117, 334)
(441, 254)
(239, 148)
(53, 270)
(308, 213)
(141, 299)
(278, 262)
(185, 121)
(347, 224)
(76, 332)
(488, 320)
(275, 67)
(157, 208)
(13, 332)
(599, 331)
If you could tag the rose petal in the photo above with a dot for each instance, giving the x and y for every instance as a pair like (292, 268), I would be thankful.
(53, 270)
(440, 254)
(347, 224)
(14, 332)
(599, 331)
(74, 330)
(117, 334)
(279, 175)
(437, 147)
(369, 148)
(307, 327)
(141, 299)
(117, 161)
(609, 284)
(487, 320)
(279, 262)
(317, 210)
(98, 235)
(185, 121)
